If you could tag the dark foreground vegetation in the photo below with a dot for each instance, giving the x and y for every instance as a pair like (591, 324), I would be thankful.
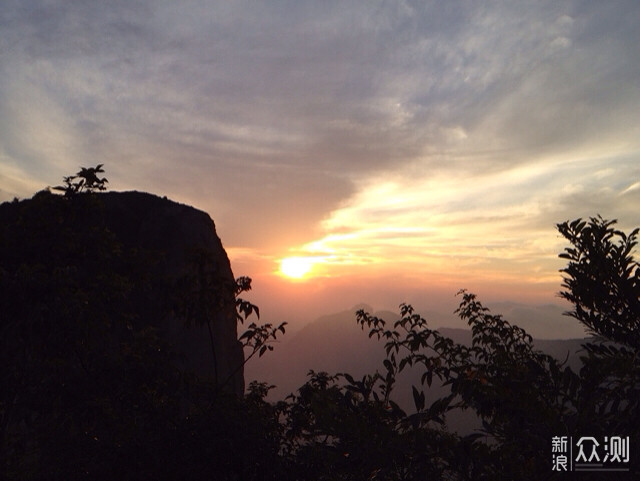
(89, 390)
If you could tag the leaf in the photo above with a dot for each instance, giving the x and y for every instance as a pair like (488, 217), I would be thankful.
(418, 398)
(403, 363)
(247, 335)
(388, 365)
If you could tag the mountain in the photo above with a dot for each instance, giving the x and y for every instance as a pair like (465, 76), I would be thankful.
(118, 343)
(335, 343)
(127, 255)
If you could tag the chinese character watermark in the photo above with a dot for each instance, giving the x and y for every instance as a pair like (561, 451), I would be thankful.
(559, 449)
(594, 449)
(590, 454)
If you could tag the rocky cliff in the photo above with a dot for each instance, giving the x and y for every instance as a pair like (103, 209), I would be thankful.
(182, 238)
(162, 263)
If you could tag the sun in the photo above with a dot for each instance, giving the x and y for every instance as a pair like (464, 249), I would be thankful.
(296, 267)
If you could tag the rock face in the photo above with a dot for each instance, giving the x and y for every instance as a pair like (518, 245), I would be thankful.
(186, 272)
(182, 236)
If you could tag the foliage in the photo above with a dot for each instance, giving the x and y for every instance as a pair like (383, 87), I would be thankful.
(257, 338)
(203, 293)
(495, 377)
(90, 390)
(342, 428)
(85, 181)
(602, 280)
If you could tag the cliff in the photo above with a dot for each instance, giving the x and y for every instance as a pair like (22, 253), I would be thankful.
(127, 257)
(181, 237)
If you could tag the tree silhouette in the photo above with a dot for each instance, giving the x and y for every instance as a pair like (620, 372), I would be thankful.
(86, 180)
(602, 279)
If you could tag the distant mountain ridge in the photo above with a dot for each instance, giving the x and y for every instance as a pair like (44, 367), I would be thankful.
(335, 343)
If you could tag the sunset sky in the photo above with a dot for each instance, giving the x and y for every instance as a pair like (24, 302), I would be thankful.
(403, 149)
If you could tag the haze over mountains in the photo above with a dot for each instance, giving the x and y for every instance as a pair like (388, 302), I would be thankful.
(335, 343)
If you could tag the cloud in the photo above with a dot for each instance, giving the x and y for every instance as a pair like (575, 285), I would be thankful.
(284, 119)
(498, 226)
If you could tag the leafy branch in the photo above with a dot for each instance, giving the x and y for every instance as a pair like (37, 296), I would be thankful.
(85, 181)
(257, 337)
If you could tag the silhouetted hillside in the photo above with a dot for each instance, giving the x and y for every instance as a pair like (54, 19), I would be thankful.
(158, 238)
(106, 352)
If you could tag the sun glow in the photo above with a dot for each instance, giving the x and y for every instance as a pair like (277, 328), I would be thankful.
(296, 267)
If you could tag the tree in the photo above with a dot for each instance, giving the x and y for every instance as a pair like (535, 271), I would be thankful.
(86, 180)
(602, 279)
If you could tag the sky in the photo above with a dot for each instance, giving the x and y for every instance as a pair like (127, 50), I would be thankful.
(402, 149)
